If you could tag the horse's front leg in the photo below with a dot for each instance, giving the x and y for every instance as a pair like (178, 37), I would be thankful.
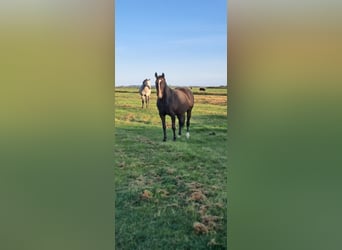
(162, 117)
(173, 119)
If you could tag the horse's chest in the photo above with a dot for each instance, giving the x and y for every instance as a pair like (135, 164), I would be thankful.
(164, 109)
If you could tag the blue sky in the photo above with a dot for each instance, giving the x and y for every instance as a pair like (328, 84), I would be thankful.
(185, 39)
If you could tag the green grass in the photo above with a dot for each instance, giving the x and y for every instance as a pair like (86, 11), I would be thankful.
(163, 188)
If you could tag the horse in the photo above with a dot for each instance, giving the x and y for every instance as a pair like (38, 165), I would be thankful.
(173, 102)
(145, 92)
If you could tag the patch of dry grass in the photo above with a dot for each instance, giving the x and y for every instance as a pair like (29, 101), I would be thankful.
(214, 100)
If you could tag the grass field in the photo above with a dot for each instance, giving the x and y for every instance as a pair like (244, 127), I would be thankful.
(173, 194)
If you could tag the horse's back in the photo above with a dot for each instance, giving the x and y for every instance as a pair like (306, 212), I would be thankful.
(183, 100)
(186, 95)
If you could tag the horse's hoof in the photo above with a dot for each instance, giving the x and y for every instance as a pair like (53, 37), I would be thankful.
(164, 139)
(187, 135)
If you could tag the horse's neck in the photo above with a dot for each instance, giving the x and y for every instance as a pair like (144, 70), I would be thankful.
(167, 95)
(167, 91)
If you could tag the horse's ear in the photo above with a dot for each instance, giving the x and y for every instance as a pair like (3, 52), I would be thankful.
(163, 75)
(156, 75)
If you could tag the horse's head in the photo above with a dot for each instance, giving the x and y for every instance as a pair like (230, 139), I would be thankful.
(147, 83)
(160, 84)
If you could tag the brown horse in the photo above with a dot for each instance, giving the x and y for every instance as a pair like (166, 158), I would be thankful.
(174, 102)
(145, 92)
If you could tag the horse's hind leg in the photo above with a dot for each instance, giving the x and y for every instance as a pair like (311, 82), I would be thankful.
(142, 102)
(188, 116)
(181, 120)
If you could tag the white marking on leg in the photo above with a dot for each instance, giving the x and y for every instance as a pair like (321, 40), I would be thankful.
(187, 135)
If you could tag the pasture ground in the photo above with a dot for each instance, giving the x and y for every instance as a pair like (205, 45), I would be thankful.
(170, 195)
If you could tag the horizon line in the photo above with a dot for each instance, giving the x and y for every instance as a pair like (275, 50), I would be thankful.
(191, 85)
